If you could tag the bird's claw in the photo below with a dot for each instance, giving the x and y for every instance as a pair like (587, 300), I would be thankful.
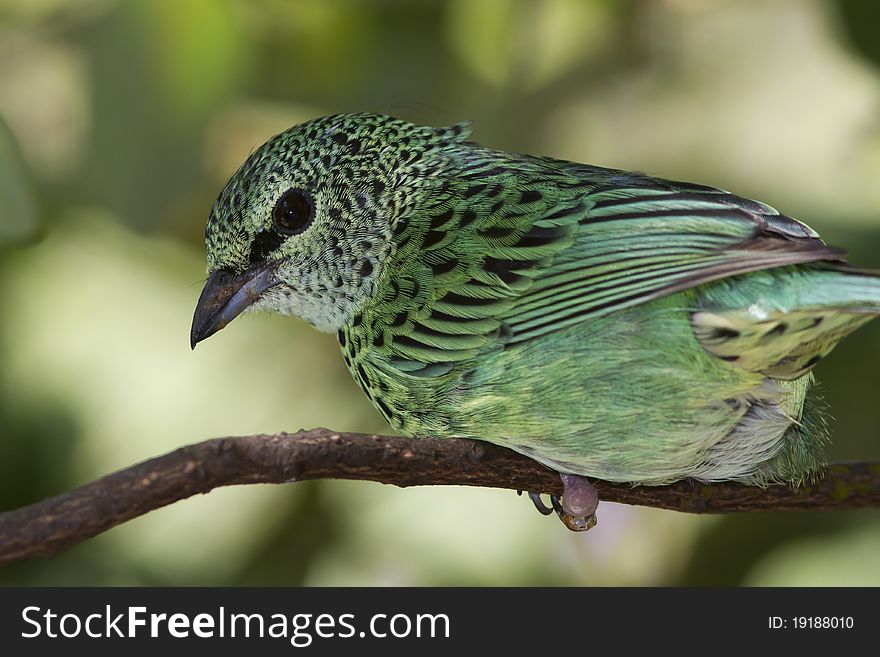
(542, 508)
(576, 507)
(578, 523)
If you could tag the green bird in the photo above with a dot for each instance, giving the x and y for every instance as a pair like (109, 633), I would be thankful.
(605, 323)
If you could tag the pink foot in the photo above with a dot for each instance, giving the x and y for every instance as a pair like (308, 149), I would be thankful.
(577, 506)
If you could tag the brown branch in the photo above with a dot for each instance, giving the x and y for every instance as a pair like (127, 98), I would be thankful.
(47, 527)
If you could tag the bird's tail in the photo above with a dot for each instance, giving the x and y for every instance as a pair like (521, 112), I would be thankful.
(782, 322)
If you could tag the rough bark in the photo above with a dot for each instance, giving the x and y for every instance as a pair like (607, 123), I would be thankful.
(49, 526)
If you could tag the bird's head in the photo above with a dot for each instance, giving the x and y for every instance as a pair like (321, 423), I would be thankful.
(305, 225)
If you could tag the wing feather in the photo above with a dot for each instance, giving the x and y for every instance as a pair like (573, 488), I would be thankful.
(547, 245)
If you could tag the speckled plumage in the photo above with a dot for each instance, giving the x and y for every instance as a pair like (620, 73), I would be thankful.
(603, 322)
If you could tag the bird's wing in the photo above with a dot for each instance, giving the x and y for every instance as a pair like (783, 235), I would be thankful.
(638, 243)
(524, 255)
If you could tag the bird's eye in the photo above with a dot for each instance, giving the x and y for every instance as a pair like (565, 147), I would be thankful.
(293, 212)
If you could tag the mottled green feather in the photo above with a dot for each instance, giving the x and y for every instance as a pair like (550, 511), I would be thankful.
(606, 323)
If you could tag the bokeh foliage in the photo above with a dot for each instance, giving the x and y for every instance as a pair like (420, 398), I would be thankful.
(120, 121)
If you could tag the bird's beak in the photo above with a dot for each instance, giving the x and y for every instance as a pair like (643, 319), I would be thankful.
(226, 295)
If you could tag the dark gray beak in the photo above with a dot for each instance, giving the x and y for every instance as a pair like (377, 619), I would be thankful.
(225, 296)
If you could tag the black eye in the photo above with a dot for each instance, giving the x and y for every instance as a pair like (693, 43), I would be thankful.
(293, 212)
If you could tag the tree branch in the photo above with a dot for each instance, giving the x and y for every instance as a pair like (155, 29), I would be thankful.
(47, 527)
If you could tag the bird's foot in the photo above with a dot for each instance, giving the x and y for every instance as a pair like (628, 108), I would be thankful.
(577, 508)
(577, 505)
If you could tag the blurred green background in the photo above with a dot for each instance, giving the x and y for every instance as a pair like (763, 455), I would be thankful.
(119, 123)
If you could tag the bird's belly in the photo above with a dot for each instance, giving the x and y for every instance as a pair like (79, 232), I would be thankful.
(632, 397)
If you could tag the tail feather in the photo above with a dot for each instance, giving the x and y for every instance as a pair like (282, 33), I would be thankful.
(782, 322)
